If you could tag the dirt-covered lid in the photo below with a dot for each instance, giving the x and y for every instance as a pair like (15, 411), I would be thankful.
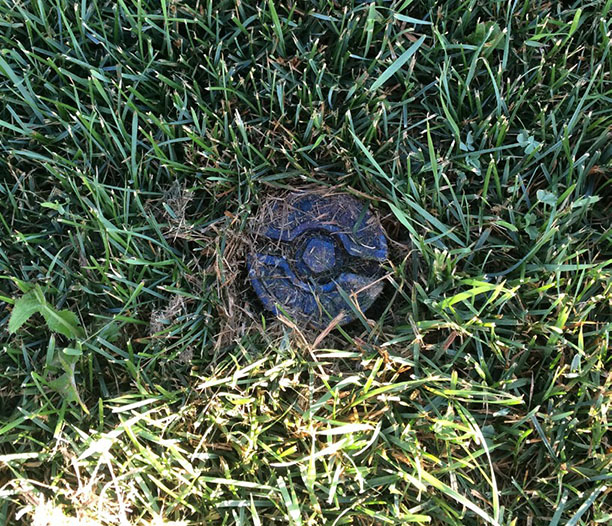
(314, 253)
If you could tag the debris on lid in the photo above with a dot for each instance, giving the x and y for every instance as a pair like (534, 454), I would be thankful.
(313, 254)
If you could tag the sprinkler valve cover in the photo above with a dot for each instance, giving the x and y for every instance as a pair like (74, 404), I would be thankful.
(314, 254)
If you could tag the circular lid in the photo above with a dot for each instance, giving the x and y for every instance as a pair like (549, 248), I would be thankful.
(315, 254)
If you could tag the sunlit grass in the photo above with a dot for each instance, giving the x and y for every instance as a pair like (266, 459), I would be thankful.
(137, 140)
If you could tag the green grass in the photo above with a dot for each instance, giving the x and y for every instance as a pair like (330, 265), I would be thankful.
(138, 137)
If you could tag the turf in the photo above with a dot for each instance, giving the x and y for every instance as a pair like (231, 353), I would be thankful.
(140, 381)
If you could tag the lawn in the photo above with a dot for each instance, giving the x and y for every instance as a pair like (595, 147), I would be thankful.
(142, 383)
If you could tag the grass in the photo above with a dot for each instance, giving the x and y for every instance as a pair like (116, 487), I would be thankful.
(137, 138)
